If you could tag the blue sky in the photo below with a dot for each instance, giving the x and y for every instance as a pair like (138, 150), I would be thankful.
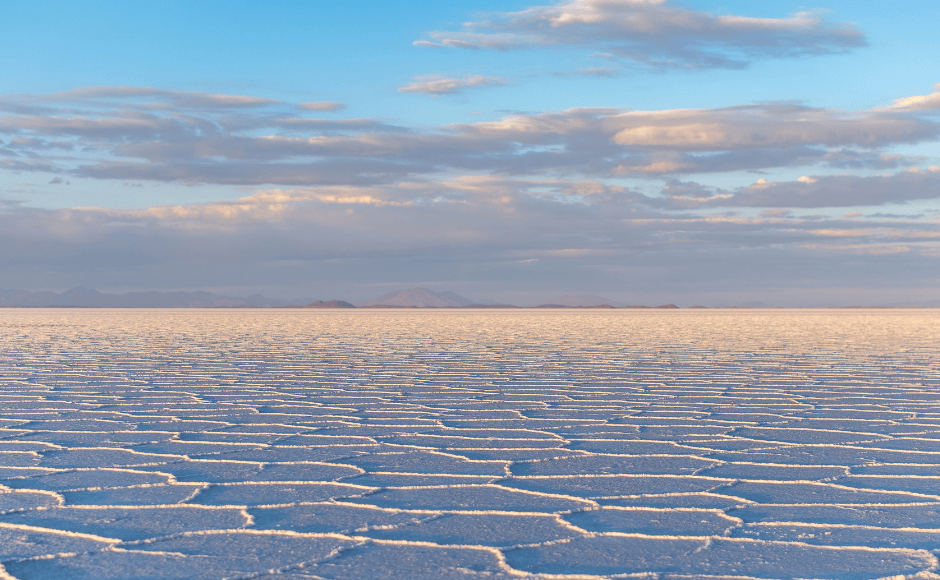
(647, 150)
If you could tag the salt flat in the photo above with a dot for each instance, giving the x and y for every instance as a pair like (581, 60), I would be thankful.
(451, 444)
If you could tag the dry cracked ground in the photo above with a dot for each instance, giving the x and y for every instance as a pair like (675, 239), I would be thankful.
(452, 444)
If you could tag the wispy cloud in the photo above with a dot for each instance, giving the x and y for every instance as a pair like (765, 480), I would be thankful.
(655, 33)
(442, 85)
(809, 191)
(593, 71)
(176, 99)
(321, 106)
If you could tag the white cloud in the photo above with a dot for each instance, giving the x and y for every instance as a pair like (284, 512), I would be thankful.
(178, 99)
(657, 33)
(470, 227)
(593, 71)
(321, 106)
(817, 191)
(442, 85)
(276, 145)
(763, 126)
(929, 102)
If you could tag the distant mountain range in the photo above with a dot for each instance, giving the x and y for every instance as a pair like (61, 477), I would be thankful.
(583, 300)
(418, 297)
(330, 304)
(411, 298)
(424, 298)
(87, 298)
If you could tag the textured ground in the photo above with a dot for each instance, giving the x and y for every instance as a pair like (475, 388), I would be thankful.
(435, 444)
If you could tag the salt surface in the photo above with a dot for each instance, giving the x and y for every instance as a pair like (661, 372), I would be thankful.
(453, 444)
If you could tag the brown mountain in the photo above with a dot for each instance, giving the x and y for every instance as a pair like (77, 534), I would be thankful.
(419, 297)
(330, 304)
(582, 300)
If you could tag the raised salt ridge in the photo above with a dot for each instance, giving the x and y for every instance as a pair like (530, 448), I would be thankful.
(451, 444)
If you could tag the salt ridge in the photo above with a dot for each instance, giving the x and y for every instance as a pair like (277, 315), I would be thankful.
(207, 444)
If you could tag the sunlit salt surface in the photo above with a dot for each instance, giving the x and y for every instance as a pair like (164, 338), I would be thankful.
(453, 444)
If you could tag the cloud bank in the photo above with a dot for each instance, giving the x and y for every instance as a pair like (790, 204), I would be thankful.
(654, 33)
(600, 198)
(110, 133)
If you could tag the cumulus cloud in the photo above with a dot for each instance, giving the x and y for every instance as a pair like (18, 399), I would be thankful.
(656, 33)
(442, 85)
(929, 102)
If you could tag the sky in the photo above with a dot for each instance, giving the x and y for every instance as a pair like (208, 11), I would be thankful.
(649, 151)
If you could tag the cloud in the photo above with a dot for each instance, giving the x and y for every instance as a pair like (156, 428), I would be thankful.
(521, 201)
(441, 85)
(818, 191)
(655, 33)
(177, 99)
(253, 173)
(599, 71)
(772, 125)
(467, 229)
(129, 139)
(25, 143)
(594, 71)
(929, 102)
(321, 106)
